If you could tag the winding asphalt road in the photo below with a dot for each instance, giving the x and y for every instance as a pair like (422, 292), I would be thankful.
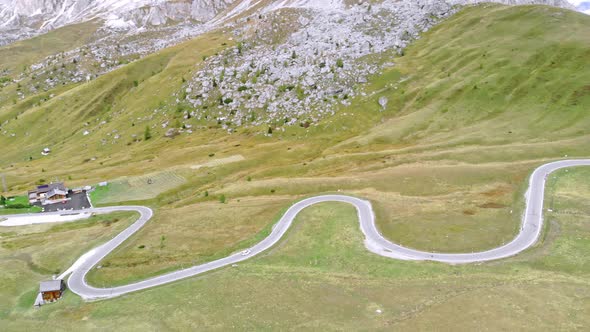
(530, 230)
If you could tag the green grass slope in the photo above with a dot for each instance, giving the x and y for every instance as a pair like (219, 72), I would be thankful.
(473, 109)
(487, 96)
(321, 277)
(27, 52)
(438, 183)
(119, 102)
(474, 106)
(509, 76)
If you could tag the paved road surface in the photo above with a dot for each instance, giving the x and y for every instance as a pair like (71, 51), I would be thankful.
(531, 229)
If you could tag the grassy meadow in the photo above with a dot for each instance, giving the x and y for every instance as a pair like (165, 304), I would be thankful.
(321, 277)
(17, 205)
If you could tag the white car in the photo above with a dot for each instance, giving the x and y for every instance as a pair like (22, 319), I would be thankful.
(246, 252)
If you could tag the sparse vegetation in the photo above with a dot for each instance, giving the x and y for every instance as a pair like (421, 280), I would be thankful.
(147, 134)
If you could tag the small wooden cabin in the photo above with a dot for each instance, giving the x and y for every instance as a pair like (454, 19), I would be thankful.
(56, 194)
(52, 290)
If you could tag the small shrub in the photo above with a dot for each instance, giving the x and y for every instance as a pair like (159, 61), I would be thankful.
(300, 93)
(285, 88)
(17, 206)
(222, 199)
(305, 124)
(147, 134)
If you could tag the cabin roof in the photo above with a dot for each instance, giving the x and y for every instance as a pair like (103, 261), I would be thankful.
(50, 285)
(49, 187)
(56, 191)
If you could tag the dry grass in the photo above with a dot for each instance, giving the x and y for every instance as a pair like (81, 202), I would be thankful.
(321, 277)
(29, 254)
(137, 188)
(188, 236)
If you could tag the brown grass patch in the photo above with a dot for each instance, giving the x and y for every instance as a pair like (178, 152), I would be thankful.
(469, 212)
(498, 192)
(492, 205)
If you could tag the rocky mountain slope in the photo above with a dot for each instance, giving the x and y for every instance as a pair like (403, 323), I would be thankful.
(285, 63)
(21, 19)
(284, 72)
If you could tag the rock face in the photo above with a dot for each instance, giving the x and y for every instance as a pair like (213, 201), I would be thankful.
(555, 3)
(23, 18)
(205, 10)
(135, 28)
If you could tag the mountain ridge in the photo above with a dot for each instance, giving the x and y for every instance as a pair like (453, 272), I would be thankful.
(23, 19)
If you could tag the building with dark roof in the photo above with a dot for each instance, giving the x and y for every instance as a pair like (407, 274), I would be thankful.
(52, 290)
(48, 193)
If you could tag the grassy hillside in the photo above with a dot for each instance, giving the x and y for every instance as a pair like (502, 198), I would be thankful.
(445, 164)
(474, 106)
(119, 103)
(27, 52)
(486, 99)
(321, 277)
